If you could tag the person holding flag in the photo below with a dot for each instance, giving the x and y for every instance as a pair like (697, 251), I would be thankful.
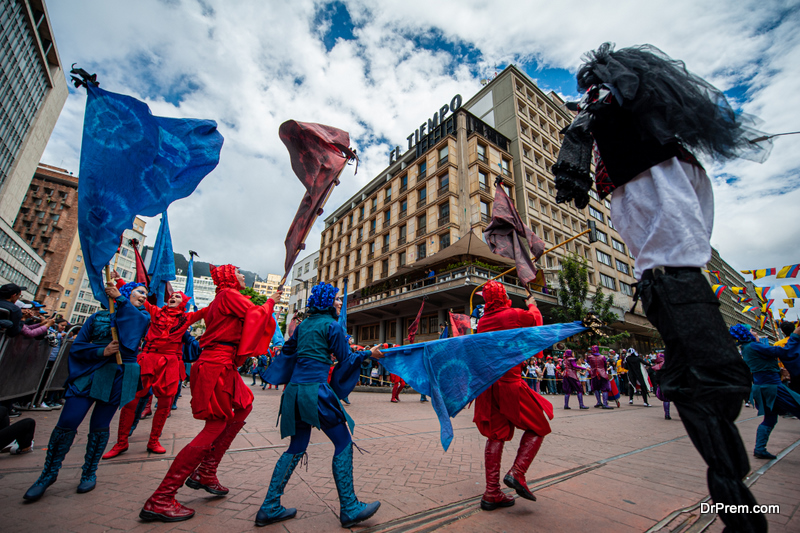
(236, 329)
(161, 361)
(97, 382)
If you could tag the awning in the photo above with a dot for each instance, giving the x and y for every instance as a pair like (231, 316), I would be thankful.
(470, 244)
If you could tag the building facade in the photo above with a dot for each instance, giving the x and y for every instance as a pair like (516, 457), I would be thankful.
(78, 303)
(305, 276)
(269, 286)
(34, 92)
(48, 221)
(204, 289)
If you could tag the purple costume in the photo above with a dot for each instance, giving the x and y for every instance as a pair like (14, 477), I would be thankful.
(600, 381)
(570, 382)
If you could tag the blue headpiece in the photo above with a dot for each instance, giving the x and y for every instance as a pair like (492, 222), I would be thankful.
(322, 296)
(741, 333)
(127, 289)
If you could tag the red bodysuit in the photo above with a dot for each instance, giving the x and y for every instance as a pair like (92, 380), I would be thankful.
(509, 402)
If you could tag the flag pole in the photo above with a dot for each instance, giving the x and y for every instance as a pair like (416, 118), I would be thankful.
(114, 334)
(512, 269)
(310, 226)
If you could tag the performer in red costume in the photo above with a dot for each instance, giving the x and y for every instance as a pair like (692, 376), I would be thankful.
(601, 384)
(161, 361)
(235, 330)
(509, 403)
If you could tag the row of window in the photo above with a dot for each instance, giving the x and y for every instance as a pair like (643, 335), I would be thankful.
(307, 267)
(15, 276)
(16, 251)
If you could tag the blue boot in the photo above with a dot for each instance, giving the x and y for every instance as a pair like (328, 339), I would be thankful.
(762, 437)
(60, 443)
(94, 451)
(352, 511)
(271, 510)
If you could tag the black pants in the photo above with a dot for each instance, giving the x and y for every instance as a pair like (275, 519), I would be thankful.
(635, 376)
(21, 431)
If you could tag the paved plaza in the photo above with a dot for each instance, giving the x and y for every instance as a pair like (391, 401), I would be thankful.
(622, 470)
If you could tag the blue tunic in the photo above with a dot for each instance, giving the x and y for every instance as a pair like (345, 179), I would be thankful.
(91, 374)
(767, 387)
(304, 365)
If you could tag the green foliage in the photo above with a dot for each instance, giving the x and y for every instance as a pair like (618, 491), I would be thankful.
(256, 298)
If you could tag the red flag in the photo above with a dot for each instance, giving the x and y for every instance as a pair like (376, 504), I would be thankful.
(412, 329)
(505, 233)
(459, 325)
(141, 270)
(319, 154)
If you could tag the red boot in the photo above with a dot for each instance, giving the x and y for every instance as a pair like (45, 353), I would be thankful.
(159, 419)
(528, 448)
(205, 476)
(126, 416)
(162, 505)
(148, 410)
(494, 497)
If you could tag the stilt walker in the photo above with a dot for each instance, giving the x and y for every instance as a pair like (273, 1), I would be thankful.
(644, 113)
(235, 330)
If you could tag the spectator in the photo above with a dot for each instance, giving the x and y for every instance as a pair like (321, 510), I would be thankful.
(9, 294)
(550, 376)
(20, 431)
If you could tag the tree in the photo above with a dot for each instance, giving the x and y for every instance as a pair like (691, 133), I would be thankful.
(255, 297)
(573, 294)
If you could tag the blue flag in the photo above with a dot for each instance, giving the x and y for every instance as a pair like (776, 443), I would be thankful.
(455, 371)
(343, 314)
(189, 288)
(134, 163)
(162, 266)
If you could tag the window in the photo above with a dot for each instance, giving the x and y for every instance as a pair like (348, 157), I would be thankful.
(622, 267)
(421, 222)
(504, 167)
(403, 207)
(602, 237)
(387, 218)
(608, 282)
(71, 281)
(423, 197)
(443, 155)
(531, 202)
(388, 194)
(316, 261)
(444, 241)
(485, 216)
(40, 214)
(444, 210)
(593, 194)
(386, 240)
(374, 205)
(48, 192)
(67, 292)
(546, 235)
(370, 273)
(528, 177)
(423, 170)
(483, 182)
(404, 183)
(63, 305)
(617, 245)
(75, 270)
(482, 153)
(361, 213)
(444, 182)
(421, 251)
(607, 204)
(543, 207)
(610, 225)
(401, 259)
(403, 234)
(350, 221)
(625, 288)
(596, 214)
(604, 258)
(372, 225)
(307, 267)
(541, 184)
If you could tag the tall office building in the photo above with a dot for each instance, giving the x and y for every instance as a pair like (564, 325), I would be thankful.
(303, 278)
(269, 286)
(204, 289)
(34, 91)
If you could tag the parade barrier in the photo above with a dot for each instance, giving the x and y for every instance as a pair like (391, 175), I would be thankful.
(22, 365)
(53, 379)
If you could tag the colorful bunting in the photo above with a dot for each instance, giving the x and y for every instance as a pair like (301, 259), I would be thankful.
(766, 305)
(739, 290)
(718, 290)
(748, 308)
(792, 291)
(761, 320)
(763, 293)
(744, 300)
(789, 302)
(715, 274)
(789, 271)
(782, 313)
(764, 272)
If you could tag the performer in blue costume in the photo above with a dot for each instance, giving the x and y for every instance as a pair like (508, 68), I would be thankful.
(95, 379)
(771, 396)
(310, 400)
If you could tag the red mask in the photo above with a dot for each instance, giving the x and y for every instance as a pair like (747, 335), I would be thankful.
(224, 277)
(495, 295)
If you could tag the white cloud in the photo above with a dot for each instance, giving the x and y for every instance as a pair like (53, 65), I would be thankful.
(238, 63)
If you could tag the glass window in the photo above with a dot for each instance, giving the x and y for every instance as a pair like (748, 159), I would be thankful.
(388, 193)
(608, 282)
(423, 193)
(602, 237)
(594, 195)
(71, 281)
(482, 152)
(423, 169)
(622, 267)
(604, 258)
(75, 270)
(504, 167)
(617, 245)
(422, 221)
(421, 251)
(443, 154)
(596, 214)
(625, 288)
(444, 241)
(387, 217)
(401, 259)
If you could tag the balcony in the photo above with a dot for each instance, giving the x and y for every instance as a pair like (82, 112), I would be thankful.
(401, 241)
(422, 175)
(371, 232)
(506, 172)
(444, 189)
(442, 162)
(444, 220)
(421, 255)
(401, 262)
(403, 188)
(360, 238)
(422, 202)
(370, 256)
(403, 214)
(385, 273)
(482, 157)
(385, 248)
(484, 187)
(485, 218)
(361, 218)
(358, 262)
(422, 231)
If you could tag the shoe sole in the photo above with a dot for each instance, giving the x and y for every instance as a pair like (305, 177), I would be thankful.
(522, 490)
(275, 520)
(149, 516)
(491, 506)
(159, 452)
(192, 484)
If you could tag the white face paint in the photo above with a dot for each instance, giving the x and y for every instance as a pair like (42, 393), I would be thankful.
(138, 296)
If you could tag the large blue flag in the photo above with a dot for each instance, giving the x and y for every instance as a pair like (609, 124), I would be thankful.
(162, 266)
(343, 314)
(134, 163)
(188, 290)
(455, 371)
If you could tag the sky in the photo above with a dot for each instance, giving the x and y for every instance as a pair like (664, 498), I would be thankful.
(377, 69)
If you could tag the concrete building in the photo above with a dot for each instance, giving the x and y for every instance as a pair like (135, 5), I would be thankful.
(269, 286)
(48, 221)
(304, 277)
(34, 92)
(78, 302)
(204, 289)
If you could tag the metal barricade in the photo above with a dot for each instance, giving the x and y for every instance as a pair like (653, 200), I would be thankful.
(53, 379)
(22, 364)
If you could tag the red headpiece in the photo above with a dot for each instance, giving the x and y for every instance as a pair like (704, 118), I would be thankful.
(495, 295)
(224, 277)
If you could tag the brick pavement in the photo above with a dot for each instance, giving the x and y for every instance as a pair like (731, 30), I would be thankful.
(624, 470)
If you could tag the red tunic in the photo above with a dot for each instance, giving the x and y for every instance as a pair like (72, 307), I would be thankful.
(509, 402)
(235, 330)
(161, 359)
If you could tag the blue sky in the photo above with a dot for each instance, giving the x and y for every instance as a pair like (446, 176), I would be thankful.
(376, 69)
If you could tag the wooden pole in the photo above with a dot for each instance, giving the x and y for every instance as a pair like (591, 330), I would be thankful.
(114, 334)
(512, 269)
